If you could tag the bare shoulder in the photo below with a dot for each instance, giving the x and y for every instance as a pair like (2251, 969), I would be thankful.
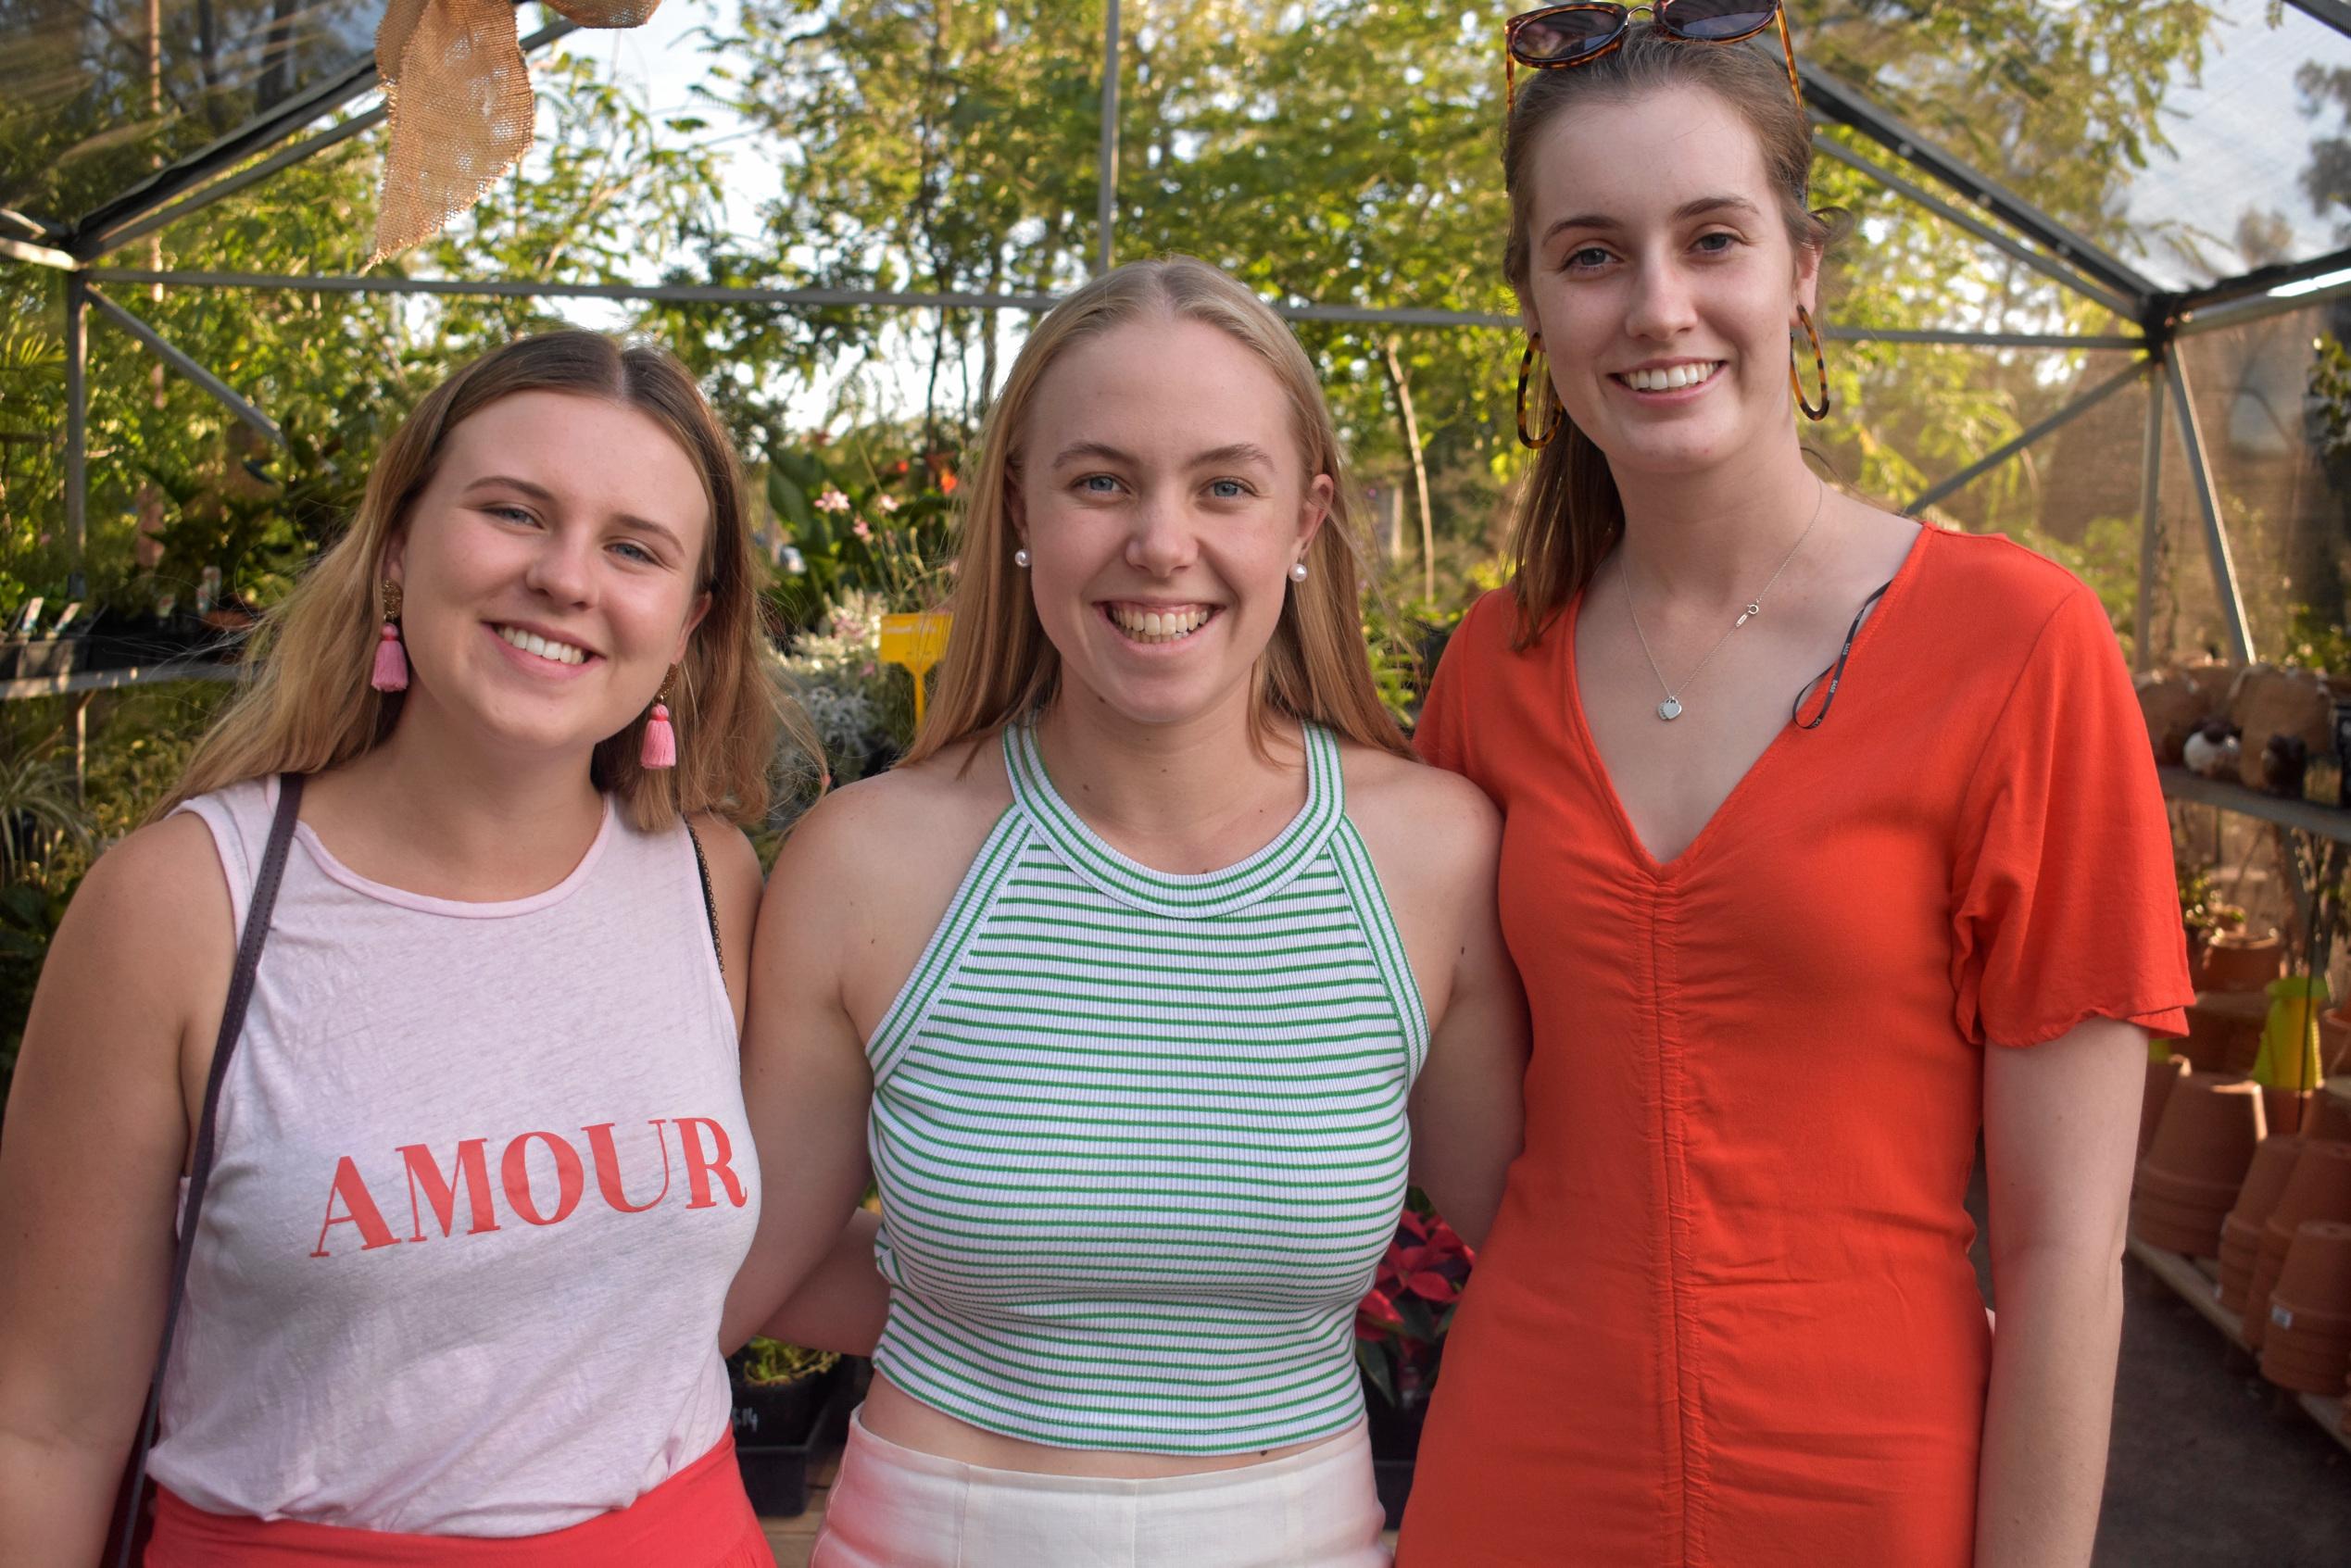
(726, 850)
(142, 956)
(868, 873)
(1427, 825)
(882, 849)
(162, 888)
(915, 813)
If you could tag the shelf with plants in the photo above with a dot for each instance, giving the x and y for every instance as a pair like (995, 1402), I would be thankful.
(2197, 1281)
(2307, 816)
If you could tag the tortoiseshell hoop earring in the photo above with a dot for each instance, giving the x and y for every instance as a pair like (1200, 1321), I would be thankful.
(1819, 367)
(1558, 410)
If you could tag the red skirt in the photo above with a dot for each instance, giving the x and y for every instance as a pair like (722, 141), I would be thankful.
(698, 1518)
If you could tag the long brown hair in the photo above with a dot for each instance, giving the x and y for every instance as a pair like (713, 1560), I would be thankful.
(306, 705)
(1000, 665)
(1570, 515)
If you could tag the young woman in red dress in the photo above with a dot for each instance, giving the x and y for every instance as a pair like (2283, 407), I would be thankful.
(1830, 841)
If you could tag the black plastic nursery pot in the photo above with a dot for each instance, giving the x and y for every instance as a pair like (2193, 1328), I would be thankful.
(781, 1429)
(1395, 1447)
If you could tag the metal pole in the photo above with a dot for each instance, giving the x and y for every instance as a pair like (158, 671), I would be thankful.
(1106, 177)
(2008, 449)
(77, 351)
(2150, 516)
(1828, 148)
(708, 293)
(115, 239)
(2215, 534)
(179, 360)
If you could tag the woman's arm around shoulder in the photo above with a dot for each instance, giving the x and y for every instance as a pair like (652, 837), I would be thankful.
(1436, 841)
(836, 927)
(115, 1052)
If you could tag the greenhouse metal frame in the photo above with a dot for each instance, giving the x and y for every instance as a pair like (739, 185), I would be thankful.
(80, 249)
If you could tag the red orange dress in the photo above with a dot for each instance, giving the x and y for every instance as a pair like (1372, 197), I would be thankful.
(1726, 1317)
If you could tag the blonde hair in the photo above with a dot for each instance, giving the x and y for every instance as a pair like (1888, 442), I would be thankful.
(1569, 512)
(308, 705)
(999, 666)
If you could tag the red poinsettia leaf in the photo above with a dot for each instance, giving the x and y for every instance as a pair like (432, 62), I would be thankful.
(1410, 1222)
(1380, 1312)
(1430, 1285)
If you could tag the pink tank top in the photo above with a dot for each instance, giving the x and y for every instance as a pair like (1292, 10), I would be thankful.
(482, 1180)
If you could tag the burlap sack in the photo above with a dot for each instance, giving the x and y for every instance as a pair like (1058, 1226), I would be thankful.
(457, 93)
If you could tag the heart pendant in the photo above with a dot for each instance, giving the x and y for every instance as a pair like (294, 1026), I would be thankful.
(1670, 709)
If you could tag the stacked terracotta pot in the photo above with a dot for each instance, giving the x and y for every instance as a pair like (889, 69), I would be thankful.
(2224, 1031)
(2317, 1189)
(2240, 961)
(2329, 1118)
(2306, 1345)
(2190, 1179)
(2162, 1077)
(2224, 1023)
(2241, 1234)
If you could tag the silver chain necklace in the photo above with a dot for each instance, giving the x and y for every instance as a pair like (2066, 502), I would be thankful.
(1670, 708)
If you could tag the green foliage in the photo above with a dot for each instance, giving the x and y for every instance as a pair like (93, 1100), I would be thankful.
(38, 812)
(767, 1362)
(2314, 642)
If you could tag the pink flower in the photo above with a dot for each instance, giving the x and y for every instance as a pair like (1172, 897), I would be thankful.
(863, 529)
(887, 503)
(832, 501)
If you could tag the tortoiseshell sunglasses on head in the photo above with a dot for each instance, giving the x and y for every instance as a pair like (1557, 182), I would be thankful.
(1556, 37)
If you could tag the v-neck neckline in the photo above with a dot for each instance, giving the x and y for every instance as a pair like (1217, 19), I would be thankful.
(1671, 870)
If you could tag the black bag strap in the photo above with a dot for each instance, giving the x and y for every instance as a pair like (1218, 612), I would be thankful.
(709, 903)
(256, 931)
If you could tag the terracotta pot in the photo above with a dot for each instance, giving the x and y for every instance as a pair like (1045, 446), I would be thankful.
(2211, 1125)
(2161, 1076)
(2204, 1222)
(2329, 1119)
(2183, 1192)
(2239, 960)
(2317, 1276)
(2265, 1181)
(2334, 1039)
(2317, 1376)
(2287, 1110)
(2224, 1031)
(2256, 1294)
(2295, 1343)
(2159, 1230)
(2319, 1189)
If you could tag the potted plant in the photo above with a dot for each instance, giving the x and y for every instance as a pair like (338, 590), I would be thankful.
(785, 1398)
(1400, 1341)
(2202, 914)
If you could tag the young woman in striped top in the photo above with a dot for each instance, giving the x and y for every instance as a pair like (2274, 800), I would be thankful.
(1139, 962)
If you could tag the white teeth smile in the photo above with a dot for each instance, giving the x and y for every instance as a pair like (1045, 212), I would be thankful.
(1671, 378)
(530, 642)
(1143, 625)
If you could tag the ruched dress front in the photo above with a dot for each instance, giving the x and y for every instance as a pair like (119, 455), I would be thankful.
(1726, 1318)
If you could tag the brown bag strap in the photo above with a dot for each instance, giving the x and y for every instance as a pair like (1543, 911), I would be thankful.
(256, 931)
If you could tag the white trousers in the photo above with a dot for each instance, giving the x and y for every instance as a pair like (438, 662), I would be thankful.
(895, 1508)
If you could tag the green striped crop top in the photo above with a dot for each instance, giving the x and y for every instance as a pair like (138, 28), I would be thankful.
(1140, 1137)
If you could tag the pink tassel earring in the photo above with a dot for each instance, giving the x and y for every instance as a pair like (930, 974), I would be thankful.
(391, 660)
(660, 740)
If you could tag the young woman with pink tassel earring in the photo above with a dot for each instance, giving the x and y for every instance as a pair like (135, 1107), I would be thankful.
(468, 1179)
